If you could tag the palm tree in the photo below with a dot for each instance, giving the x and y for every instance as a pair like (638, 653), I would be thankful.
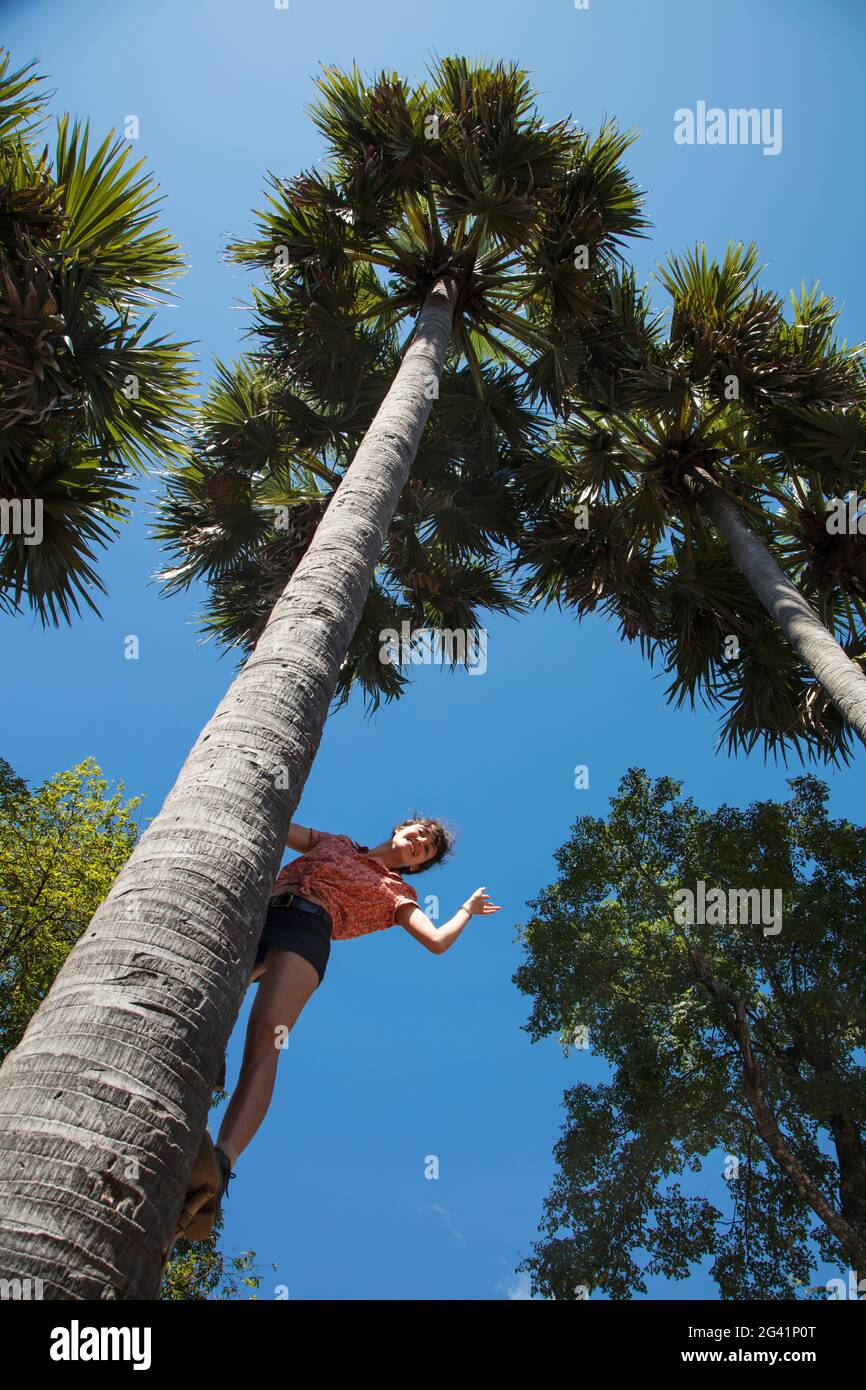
(714, 423)
(243, 511)
(85, 394)
(452, 206)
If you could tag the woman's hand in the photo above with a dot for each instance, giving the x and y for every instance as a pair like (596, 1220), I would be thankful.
(479, 905)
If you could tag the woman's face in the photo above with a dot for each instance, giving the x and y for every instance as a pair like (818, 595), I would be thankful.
(414, 843)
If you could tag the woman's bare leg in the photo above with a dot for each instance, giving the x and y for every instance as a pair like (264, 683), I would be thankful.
(287, 984)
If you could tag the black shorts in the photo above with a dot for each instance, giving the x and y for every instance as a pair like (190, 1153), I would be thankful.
(306, 933)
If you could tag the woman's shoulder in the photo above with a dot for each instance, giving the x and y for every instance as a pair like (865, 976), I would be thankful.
(326, 839)
(404, 890)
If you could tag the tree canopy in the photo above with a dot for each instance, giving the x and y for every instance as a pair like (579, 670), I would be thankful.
(734, 1048)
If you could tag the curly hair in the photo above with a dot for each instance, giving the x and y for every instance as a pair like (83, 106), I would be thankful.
(443, 838)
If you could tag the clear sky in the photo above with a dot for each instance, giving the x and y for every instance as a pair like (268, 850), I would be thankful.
(402, 1054)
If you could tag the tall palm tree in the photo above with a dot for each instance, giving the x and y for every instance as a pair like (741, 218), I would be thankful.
(452, 206)
(689, 451)
(85, 394)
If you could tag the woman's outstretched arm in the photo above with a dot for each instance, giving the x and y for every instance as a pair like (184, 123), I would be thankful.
(300, 837)
(438, 939)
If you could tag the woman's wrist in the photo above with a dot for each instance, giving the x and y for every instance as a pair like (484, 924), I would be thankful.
(464, 908)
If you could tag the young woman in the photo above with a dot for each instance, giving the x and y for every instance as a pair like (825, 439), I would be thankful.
(335, 890)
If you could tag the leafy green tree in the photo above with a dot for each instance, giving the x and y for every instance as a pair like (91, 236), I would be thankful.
(61, 846)
(734, 1044)
(688, 493)
(453, 210)
(85, 393)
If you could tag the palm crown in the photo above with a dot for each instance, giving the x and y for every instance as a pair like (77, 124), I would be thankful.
(243, 514)
(457, 178)
(85, 394)
(737, 392)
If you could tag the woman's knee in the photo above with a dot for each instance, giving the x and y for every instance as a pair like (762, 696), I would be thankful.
(265, 1036)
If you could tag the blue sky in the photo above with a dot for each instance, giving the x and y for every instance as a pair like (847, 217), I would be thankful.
(403, 1054)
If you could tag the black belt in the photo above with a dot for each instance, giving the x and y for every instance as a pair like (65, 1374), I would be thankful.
(292, 900)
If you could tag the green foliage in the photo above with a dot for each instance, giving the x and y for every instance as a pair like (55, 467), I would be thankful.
(86, 394)
(606, 953)
(457, 175)
(243, 513)
(773, 409)
(198, 1270)
(61, 846)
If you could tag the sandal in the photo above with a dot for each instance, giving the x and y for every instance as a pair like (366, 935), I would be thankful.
(208, 1181)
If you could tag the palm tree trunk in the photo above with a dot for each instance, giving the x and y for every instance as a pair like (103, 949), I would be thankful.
(104, 1100)
(834, 670)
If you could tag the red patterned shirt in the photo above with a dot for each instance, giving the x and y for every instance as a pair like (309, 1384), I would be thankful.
(361, 895)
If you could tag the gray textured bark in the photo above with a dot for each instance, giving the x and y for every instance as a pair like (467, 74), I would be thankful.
(834, 670)
(103, 1102)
